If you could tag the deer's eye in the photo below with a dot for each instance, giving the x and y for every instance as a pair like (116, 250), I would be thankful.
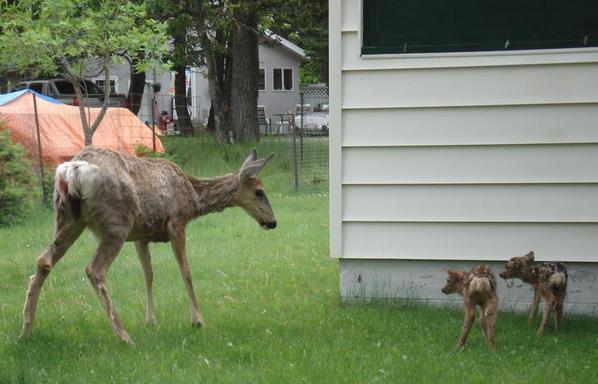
(259, 193)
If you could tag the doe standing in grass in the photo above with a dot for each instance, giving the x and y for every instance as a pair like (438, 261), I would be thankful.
(122, 198)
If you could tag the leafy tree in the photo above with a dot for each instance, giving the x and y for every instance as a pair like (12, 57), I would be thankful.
(62, 37)
(305, 23)
(184, 52)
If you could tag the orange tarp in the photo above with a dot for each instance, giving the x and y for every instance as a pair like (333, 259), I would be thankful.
(60, 128)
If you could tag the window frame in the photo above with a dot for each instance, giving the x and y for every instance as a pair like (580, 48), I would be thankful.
(262, 75)
(282, 81)
(114, 79)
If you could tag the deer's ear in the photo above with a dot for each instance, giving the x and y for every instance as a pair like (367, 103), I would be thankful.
(251, 169)
(455, 273)
(530, 256)
(251, 157)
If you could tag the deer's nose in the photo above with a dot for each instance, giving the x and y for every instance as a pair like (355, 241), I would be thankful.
(271, 225)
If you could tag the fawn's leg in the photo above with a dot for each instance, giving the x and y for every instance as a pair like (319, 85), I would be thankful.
(467, 323)
(97, 269)
(146, 263)
(534, 309)
(548, 307)
(559, 312)
(484, 323)
(491, 312)
(67, 231)
(177, 240)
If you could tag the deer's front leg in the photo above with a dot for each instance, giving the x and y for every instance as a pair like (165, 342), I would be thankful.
(177, 240)
(146, 263)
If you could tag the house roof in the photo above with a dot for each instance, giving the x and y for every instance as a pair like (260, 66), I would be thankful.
(293, 48)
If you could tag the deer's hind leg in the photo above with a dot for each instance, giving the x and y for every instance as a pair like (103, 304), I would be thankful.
(66, 233)
(97, 269)
(467, 322)
(549, 305)
(146, 263)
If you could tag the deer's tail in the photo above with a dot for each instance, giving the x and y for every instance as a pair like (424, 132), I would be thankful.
(74, 180)
(479, 284)
(557, 282)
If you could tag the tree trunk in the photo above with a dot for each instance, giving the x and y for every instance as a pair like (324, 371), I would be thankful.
(218, 78)
(136, 89)
(180, 101)
(245, 72)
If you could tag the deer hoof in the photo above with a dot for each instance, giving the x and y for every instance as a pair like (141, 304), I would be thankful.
(25, 334)
(128, 340)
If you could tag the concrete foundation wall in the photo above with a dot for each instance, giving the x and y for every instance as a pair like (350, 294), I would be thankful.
(421, 281)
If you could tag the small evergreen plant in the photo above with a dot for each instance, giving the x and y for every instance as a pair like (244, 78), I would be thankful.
(16, 180)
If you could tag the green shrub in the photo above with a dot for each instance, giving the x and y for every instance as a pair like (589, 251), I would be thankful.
(16, 180)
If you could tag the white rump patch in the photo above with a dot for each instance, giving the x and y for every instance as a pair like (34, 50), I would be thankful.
(75, 178)
(479, 284)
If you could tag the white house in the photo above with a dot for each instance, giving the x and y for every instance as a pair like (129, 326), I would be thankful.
(279, 83)
(450, 149)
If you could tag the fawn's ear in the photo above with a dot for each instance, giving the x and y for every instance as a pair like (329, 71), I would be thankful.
(456, 273)
(251, 168)
(530, 256)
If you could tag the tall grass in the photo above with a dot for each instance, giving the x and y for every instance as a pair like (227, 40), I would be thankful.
(271, 302)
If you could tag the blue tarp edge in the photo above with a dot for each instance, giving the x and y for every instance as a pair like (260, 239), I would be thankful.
(8, 97)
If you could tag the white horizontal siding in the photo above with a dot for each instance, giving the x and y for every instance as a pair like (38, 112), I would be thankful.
(536, 84)
(564, 163)
(476, 203)
(469, 241)
(569, 123)
(463, 156)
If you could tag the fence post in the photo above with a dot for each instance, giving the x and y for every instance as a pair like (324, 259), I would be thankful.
(295, 165)
(302, 119)
(39, 151)
(153, 122)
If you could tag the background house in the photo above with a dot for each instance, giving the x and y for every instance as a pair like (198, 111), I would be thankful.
(280, 61)
(462, 140)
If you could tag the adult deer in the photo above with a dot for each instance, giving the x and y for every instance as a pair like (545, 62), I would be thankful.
(122, 198)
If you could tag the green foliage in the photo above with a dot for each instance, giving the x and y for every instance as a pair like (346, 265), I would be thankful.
(45, 35)
(305, 23)
(15, 181)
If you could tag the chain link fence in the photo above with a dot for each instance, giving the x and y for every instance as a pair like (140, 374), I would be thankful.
(305, 134)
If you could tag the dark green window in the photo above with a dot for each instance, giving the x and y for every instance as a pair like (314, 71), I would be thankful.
(410, 26)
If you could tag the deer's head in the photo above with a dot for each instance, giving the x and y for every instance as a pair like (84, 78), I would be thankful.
(251, 196)
(517, 266)
(454, 281)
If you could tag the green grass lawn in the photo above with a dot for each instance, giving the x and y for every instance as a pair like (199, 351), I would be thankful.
(271, 303)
